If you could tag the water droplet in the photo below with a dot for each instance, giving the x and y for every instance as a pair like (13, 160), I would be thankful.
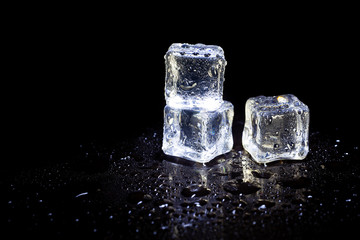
(268, 120)
(138, 197)
(213, 72)
(195, 191)
(203, 202)
(236, 187)
(265, 203)
(188, 87)
(262, 207)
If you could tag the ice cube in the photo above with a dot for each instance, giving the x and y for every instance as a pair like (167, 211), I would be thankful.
(198, 134)
(194, 75)
(276, 128)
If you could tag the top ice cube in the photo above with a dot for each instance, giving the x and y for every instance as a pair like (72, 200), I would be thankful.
(194, 75)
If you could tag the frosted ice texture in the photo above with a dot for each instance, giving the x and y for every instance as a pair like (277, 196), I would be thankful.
(197, 122)
(276, 128)
(194, 75)
(198, 134)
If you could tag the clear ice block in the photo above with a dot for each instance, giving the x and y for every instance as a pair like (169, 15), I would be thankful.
(276, 128)
(194, 75)
(198, 134)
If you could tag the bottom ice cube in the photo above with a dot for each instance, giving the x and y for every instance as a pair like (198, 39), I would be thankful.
(276, 128)
(198, 134)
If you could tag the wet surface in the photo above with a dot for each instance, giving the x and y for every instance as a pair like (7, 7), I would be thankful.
(132, 190)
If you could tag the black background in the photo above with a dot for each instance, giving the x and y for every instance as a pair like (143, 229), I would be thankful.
(96, 73)
(120, 69)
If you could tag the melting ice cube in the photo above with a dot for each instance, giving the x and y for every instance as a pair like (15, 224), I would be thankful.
(276, 128)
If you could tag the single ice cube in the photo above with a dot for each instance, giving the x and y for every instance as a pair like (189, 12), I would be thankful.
(276, 128)
(194, 75)
(198, 134)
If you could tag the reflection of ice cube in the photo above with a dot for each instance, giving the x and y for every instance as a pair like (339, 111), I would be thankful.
(276, 128)
(194, 75)
(198, 134)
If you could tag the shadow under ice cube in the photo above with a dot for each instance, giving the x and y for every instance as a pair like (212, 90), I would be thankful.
(276, 128)
(198, 134)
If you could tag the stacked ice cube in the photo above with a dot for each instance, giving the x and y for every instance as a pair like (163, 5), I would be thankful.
(197, 122)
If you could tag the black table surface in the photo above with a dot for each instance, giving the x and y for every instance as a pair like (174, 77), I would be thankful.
(131, 190)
